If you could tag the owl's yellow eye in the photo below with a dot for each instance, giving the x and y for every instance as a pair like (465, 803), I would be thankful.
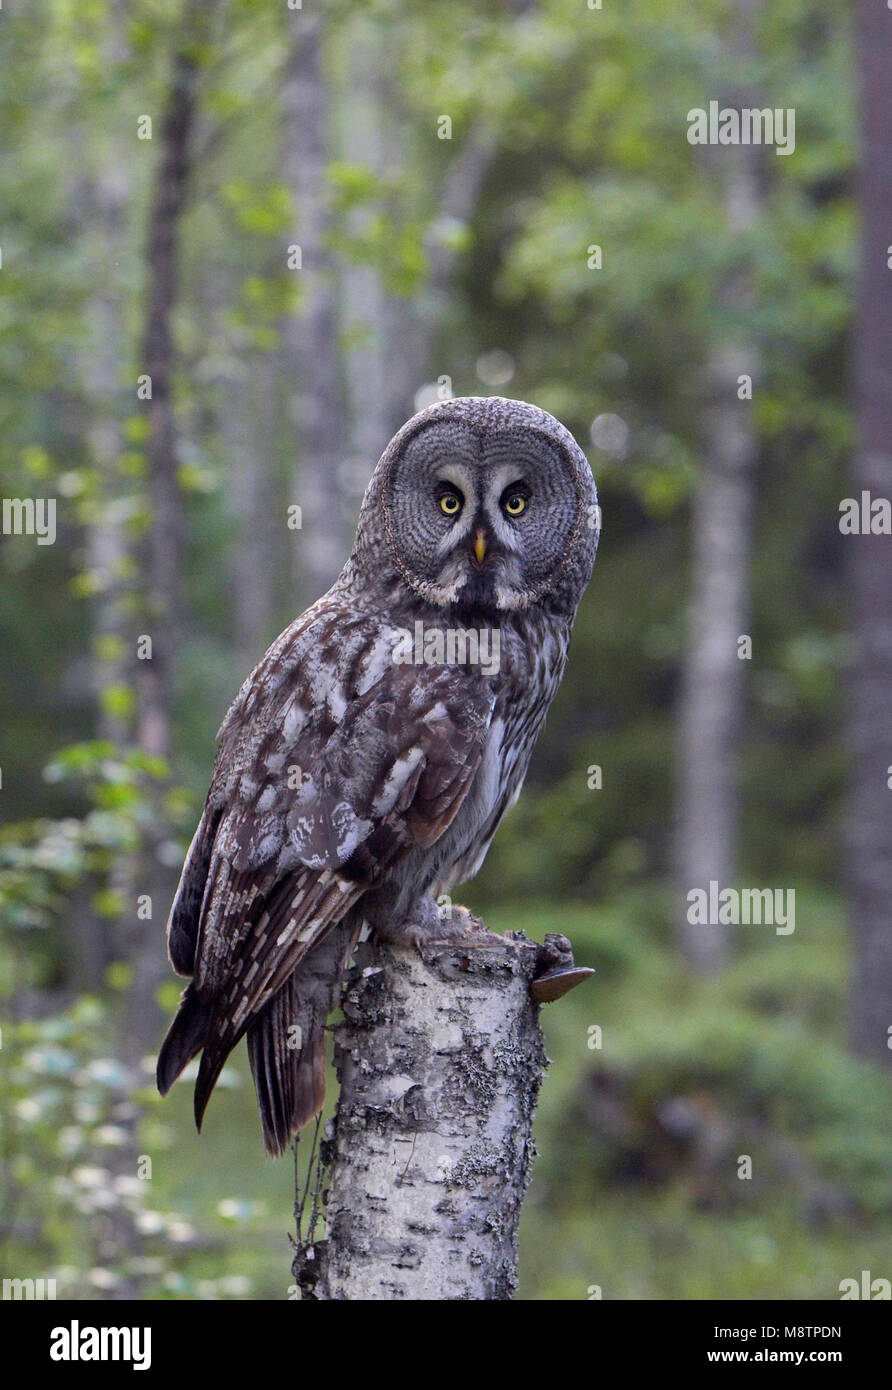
(516, 504)
(450, 504)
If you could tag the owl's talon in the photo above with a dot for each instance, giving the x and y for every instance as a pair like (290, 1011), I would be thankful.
(459, 927)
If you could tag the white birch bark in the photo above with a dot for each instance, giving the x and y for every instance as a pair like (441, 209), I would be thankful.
(713, 676)
(440, 1062)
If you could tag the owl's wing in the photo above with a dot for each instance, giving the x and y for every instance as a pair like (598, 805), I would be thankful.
(310, 806)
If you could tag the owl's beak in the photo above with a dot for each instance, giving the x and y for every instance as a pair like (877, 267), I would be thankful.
(479, 545)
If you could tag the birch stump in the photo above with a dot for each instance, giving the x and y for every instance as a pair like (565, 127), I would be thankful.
(430, 1150)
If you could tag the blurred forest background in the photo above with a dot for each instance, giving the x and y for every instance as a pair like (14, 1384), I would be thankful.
(302, 224)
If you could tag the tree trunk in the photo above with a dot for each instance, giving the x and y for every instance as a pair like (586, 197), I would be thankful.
(713, 676)
(162, 552)
(439, 1062)
(311, 333)
(870, 562)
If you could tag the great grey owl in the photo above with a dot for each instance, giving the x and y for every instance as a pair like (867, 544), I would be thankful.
(368, 759)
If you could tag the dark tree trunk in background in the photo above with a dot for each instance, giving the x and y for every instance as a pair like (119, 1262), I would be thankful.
(162, 552)
(439, 1062)
(870, 558)
(311, 334)
(713, 675)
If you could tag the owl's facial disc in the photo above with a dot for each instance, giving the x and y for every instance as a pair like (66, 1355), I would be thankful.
(480, 518)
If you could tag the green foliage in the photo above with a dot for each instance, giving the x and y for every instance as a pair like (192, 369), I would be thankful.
(80, 1178)
(640, 1139)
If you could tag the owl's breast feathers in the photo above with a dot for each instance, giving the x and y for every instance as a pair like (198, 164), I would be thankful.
(335, 764)
(534, 652)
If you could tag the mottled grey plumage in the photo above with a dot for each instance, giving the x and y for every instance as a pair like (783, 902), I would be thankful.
(350, 787)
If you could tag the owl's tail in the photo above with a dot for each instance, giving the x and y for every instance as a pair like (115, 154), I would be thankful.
(286, 1041)
(286, 1047)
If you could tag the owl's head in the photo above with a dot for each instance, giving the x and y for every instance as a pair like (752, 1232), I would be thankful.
(485, 504)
